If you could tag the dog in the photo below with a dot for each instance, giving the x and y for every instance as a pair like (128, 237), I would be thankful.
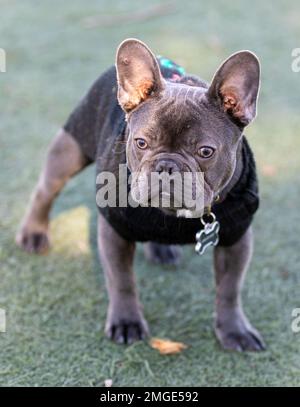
(148, 114)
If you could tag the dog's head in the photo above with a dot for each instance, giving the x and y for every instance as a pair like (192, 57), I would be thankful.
(177, 128)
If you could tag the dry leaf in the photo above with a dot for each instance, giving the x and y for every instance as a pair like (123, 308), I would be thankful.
(167, 347)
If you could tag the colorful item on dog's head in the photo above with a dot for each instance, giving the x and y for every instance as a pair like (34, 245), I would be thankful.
(169, 69)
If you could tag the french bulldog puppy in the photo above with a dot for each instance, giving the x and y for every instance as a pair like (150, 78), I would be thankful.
(156, 119)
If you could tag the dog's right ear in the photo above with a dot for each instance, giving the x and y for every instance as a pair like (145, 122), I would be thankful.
(138, 74)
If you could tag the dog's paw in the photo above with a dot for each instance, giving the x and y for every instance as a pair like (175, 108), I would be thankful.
(162, 253)
(127, 331)
(33, 241)
(239, 336)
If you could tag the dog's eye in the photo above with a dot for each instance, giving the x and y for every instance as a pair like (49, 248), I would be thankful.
(141, 143)
(206, 152)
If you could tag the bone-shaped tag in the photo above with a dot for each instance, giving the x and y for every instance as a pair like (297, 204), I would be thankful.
(209, 236)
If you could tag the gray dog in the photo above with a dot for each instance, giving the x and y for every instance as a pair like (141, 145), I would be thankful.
(147, 113)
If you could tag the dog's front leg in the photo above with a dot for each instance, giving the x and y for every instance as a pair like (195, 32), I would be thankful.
(232, 327)
(125, 322)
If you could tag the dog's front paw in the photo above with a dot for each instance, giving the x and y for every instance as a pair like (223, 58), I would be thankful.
(126, 331)
(33, 241)
(238, 334)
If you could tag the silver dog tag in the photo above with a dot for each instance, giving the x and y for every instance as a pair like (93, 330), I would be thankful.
(209, 236)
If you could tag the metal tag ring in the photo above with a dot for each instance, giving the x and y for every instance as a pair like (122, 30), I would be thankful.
(213, 218)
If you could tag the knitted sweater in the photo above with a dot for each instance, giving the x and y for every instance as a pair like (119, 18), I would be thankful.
(98, 125)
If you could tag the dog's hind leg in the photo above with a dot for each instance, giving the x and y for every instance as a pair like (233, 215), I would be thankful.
(64, 159)
(165, 254)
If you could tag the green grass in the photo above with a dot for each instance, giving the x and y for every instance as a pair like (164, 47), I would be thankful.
(56, 304)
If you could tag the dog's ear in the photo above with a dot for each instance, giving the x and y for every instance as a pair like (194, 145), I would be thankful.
(235, 87)
(138, 74)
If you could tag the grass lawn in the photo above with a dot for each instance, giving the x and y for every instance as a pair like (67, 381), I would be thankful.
(56, 304)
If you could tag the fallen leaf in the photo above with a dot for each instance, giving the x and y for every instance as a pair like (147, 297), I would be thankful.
(167, 347)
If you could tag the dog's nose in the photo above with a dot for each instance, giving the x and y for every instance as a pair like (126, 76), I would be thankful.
(168, 166)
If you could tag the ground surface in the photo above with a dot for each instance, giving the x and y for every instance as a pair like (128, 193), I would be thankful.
(56, 304)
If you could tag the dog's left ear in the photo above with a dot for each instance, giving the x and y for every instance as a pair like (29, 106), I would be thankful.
(138, 74)
(235, 87)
